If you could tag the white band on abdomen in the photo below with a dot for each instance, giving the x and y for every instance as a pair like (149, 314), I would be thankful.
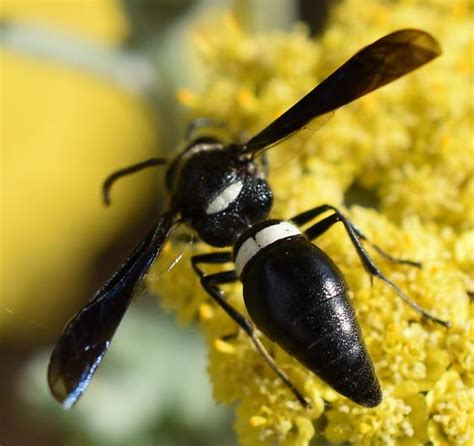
(262, 238)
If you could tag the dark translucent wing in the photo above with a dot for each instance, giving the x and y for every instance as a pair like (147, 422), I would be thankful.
(87, 336)
(382, 62)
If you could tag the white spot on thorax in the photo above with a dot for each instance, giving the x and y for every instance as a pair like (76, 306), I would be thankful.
(225, 198)
(260, 240)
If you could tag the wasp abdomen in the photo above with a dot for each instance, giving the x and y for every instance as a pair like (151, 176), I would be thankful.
(338, 354)
(298, 298)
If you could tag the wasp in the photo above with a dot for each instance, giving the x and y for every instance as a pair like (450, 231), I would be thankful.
(293, 291)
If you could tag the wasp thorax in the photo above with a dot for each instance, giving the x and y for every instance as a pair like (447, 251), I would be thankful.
(220, 193)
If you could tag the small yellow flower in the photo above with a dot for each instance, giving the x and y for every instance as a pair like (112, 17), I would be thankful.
(451, 415)
(400, 419)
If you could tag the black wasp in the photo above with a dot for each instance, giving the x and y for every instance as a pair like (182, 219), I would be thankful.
(292, 290)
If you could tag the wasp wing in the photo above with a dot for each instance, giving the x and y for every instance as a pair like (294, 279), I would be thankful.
(86, 337)
(377, 64)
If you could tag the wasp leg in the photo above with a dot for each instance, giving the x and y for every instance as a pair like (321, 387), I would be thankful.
(265, 164)
(199, 123)
(323, 225)
(306, 216)
(210, 284)
(213, 258)
(210, 258)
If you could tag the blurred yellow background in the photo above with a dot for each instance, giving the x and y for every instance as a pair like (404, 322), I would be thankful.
(63, 131)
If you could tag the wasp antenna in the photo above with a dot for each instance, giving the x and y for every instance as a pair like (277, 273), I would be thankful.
(114, 176)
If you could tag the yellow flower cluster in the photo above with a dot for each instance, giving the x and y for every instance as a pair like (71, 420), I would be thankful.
(408, 151)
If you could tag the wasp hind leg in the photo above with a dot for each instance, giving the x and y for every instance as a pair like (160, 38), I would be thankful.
(211, 283)
(311, 214)
(357, 237)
